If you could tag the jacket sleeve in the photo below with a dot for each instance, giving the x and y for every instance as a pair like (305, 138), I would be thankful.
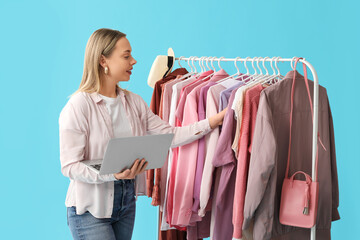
(182, 135)
(334, 175)
(262, 160)
(73, 140)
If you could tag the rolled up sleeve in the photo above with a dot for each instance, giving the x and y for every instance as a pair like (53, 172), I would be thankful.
(182, 135)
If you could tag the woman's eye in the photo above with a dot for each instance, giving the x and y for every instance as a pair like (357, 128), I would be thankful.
(127, 57)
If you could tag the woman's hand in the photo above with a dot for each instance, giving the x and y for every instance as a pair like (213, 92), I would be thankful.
(137, 168)
(217, 119)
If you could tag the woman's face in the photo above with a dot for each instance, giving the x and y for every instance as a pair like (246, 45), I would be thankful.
(120, 63)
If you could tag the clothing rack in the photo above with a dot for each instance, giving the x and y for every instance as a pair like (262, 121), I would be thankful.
(278, 59)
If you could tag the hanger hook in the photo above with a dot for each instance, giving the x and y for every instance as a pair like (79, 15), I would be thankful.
(276, 61)
(212, 63)
(291, 63)
(201, 67)
(207, 62)
(219, 62)
(179, 61)
(192, 61)
(264, 59)
(252, 63)
(257, 63)
(188, 62)
(247, 69)
(202, 62)
(272, 67)
(238, 71)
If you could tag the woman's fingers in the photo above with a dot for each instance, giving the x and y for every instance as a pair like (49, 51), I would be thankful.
(124, 174)
(135, 166)
(143, 167)
(140, 166)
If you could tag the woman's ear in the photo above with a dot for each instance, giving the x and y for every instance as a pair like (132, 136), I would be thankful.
(102, 61)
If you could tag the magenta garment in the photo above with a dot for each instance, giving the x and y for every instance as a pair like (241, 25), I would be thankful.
(250, 106)
(221, 74)
(185, 169)
(224, 157)
(186, 90)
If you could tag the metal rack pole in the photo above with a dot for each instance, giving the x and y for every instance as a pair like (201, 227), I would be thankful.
(316, 104)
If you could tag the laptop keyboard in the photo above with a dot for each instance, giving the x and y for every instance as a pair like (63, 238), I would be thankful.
(96, 166)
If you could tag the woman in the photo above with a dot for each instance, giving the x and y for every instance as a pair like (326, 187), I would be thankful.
(103, 206)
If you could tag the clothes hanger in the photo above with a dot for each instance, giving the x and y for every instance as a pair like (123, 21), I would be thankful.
(277, 76)
(196, 75)
(210, 75)
(255, 76)
(232, 76)
(274, 75)
(280, 77)
(187, 74)
(259, 78)
(267, 77)
(247, 75)
(200, 64)
(206, 59)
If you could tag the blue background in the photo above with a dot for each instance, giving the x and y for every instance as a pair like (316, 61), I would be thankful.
(42, 48)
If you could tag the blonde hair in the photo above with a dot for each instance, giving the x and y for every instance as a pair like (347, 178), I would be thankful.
(101, 42)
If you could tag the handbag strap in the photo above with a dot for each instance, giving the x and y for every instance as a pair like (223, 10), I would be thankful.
(291, 114)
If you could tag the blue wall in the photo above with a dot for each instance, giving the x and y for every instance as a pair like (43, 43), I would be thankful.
(42, 48)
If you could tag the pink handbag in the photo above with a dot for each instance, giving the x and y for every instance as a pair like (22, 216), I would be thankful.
(299, 199)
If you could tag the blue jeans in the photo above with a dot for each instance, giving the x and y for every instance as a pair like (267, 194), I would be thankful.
(119, 226)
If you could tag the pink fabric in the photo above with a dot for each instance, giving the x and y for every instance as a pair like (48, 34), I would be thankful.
(171, 178)
(186, 90)
(167, 97)
(167, 91)
(250, 106)
(171, 187)
(185, 170)
(212, 107)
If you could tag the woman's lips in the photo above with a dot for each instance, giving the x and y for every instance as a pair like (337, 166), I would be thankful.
(129, 72)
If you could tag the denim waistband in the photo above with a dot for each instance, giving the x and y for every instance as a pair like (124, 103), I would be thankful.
(123, 181)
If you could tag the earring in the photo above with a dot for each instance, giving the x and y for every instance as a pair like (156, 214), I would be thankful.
(106, 70)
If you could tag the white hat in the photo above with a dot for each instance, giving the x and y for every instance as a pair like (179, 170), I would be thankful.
(161, 67)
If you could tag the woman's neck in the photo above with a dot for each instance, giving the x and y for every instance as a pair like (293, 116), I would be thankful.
(108, 89)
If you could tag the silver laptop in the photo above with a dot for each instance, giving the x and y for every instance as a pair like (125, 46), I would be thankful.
(121, 153)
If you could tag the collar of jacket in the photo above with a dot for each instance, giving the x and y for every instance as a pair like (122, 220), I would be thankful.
(291, 73)
(96, 98)
(221, 73)
(178, 71)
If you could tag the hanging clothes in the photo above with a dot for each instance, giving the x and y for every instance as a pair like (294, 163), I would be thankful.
(175, 94)
(157, 192)
(212, 101)
(171, 184)
(269, 155)
(155, 107)
(224, 157)
(184, 181)
(251, 102)
(227, 184)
